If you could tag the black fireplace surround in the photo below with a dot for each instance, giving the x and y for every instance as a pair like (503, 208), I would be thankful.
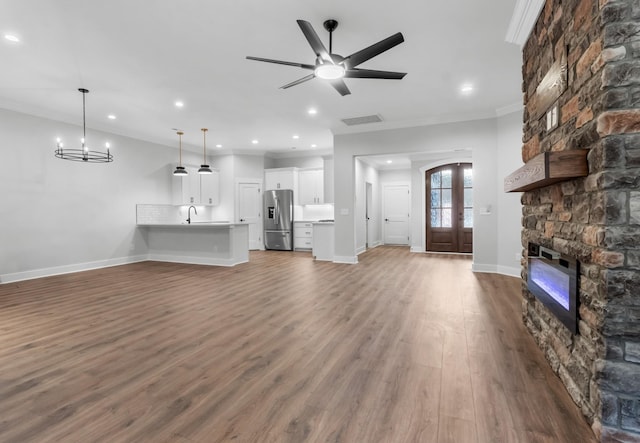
(553, 278)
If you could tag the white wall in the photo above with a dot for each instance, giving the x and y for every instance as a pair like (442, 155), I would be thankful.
(225, 210)
(232, 168)
(395, 175)
(295, 162)
(444, 140)
(509, 210)
(249, 167)
(58, 215)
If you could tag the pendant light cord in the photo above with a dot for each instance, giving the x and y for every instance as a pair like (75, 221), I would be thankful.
(204, 146)
(84, 120)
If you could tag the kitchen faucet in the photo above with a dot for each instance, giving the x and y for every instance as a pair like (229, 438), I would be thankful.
(189, 213)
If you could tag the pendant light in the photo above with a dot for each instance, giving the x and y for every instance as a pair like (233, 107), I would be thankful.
(84, 154)
(204, 167)
(180, 170)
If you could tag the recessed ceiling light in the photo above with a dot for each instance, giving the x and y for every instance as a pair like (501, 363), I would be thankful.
(312, 111)
(389, 162)
(296, 137)
(293, 147)
(314, 145)
(466, 88)
(111, 117)
(179, 104)
(12, 38)
(218, 146)
(255, 142)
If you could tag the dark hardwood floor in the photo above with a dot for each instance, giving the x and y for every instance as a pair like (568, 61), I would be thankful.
(399, 348)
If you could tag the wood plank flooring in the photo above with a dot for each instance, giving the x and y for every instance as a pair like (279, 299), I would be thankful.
(399, 348)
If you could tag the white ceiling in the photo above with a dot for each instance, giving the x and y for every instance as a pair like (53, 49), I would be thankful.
(138, 57)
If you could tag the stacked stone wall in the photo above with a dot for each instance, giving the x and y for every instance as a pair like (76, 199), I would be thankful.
(595, 219)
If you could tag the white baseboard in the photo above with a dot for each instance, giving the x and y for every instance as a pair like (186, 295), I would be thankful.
(510, 271)
(417, 249)
(491, 269)
(361, 249)
(375, 244)
(345, 259)
(67, 269)
(496, 269)
(195, 260)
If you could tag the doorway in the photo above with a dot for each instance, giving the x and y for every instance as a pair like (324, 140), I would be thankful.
(249, 208)
(396, 203)
(449, 195)
(368, 213)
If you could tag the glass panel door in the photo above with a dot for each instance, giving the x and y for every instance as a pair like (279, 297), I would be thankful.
(449, 208)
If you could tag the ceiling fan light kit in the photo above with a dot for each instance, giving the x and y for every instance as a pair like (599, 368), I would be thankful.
(328, 71)
(334, 67)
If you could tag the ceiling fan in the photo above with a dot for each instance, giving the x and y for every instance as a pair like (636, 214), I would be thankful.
(334, 67)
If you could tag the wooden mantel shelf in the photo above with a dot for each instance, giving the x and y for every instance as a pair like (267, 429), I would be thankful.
(548, 168)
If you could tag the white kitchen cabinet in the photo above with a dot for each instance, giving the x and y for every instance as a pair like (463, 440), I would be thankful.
(311, 187)
(196, 189)
(210, 188)
(281, 178)
(302, 235)
(323, 239)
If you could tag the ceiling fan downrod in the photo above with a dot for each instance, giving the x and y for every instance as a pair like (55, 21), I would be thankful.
(330, 25)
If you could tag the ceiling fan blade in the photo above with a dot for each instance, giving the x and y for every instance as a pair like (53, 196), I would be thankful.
(340, 86)
(372, 73)
(297, 82)
(377, 48)
(280, 62)
(314, 40)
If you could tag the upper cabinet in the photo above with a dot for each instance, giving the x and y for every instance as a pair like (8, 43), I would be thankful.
(311, 187)
(281, 178)
(196, 189)
(210, 188)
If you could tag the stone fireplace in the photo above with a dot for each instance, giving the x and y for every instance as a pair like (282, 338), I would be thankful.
(593, 48)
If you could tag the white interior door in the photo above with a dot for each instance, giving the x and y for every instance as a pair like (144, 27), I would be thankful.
(395, 203)
(249, 210)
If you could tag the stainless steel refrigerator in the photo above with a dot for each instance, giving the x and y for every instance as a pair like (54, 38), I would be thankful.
(278, 220)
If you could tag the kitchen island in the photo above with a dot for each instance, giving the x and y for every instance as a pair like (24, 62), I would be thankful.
(202, 243)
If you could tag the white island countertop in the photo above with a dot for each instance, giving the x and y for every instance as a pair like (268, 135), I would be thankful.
(203, 243)
(206, 224)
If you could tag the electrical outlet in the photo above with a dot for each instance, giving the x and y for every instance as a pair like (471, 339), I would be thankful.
(518, 256)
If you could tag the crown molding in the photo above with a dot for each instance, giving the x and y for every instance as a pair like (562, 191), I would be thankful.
(509, 109)
(523, 20)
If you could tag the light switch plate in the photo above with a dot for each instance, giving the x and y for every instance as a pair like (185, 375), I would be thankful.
(344, 211)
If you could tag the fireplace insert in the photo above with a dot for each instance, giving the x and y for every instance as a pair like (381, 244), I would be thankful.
(553, 278)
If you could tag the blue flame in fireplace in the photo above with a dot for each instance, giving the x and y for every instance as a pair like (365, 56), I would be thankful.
(553, 281)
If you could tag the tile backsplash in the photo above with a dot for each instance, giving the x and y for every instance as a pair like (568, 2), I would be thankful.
(148, 214)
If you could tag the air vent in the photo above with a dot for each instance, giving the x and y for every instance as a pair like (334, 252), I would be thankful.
(362, 120)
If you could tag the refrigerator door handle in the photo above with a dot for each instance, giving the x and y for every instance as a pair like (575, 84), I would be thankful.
(276, 215)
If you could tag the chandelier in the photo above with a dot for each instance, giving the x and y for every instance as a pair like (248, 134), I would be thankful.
(84, 154)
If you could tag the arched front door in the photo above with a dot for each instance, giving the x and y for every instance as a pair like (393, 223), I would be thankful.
(449, 208)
